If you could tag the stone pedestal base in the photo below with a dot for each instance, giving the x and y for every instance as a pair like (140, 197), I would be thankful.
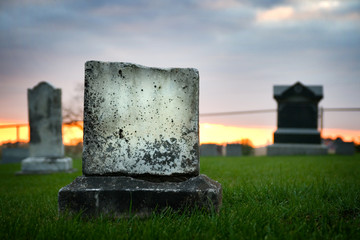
(120, 196)
(296, 149)
(297, 136)
(43, 165)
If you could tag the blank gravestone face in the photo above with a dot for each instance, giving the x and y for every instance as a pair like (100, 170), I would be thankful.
(45, 121)
(140, 121)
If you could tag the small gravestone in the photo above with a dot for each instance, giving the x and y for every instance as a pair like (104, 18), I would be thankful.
(344, 148)
(210, 149)
(46, 149)
(14, 155)
(234, 149)
(297, 115)
(141, 143)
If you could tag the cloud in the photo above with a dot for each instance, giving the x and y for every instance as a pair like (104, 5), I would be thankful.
(220, 4)
(275, 14)
(293, 12)
(265, 4)
(327, 5)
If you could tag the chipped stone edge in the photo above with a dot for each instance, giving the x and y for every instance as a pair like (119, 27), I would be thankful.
(140, 66)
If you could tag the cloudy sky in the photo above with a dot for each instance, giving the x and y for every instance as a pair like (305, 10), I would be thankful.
(241, 49)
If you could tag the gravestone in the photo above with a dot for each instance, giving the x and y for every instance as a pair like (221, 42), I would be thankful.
(46, 149)
(234, 149)
(14, 155)
(344, 148)
(297, 119)
(210, 149)
(141, 143)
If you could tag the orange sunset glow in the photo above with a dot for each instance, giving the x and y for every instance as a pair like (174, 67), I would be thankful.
(209, 133)
(220, 134)
(72, 134)
(261, 136)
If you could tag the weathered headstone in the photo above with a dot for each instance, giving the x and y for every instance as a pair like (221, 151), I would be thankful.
(46, 149)
(141, 143)
(211, 149)
(297, 121)
(234, 149)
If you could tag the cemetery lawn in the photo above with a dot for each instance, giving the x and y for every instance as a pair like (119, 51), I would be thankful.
(298, 197)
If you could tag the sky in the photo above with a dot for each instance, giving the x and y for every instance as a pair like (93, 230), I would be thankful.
(241, 49)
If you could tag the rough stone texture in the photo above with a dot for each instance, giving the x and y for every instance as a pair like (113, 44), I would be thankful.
(297, 113)
(296, 149)
(211, 150)
(140, 120)
(45, 121)
(14, 155)
(233, 150)
(119, 195)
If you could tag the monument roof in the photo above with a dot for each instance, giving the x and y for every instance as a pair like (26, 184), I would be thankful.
(43, 85)
(284, 91)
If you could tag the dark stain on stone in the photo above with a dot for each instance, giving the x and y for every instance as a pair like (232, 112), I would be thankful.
(121, 73)
(121, 133)
(195, 150)
(185, 162)
(162, 160)
(48, 107)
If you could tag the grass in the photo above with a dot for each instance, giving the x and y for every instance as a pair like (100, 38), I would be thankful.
(298, 197)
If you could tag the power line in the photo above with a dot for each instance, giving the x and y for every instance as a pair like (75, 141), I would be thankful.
(236, 112)
(341, 109)
(273, 110)
(214, 114)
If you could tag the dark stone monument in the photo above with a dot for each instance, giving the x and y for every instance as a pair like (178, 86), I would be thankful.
(297, 113)
(297, 120)
(141, 143)
(46, 149)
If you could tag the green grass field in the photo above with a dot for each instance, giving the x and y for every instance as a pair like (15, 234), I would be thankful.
(298, 197)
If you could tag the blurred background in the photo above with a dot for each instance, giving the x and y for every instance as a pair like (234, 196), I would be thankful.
(241, 49)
